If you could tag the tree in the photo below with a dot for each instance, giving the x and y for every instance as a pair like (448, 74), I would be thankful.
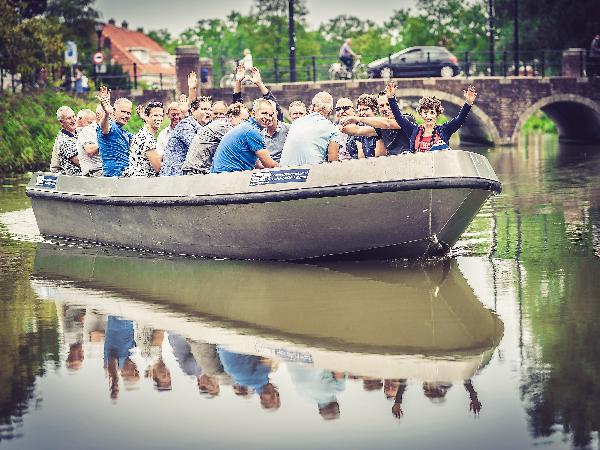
(26, 44)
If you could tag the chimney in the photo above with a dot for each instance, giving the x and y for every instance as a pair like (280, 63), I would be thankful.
(124, 25)
(140, 29)
(111, 21)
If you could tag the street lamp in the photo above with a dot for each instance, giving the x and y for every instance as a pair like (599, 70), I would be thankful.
(491, 36)
(516, 37)
(98, 26)
(292, 40)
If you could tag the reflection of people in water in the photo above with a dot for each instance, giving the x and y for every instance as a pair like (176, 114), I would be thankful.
(372, 384)
(75, 356)
(252, 372)
(72, 324)
(200, 359)
(119, 340)
(322, 386)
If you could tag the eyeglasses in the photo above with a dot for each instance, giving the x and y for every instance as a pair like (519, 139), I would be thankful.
(342, 108)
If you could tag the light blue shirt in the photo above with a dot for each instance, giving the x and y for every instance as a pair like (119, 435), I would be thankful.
(308, 139)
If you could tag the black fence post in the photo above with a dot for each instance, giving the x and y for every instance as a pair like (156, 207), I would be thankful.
(543, 64)
(1, 80)
(504, 63)
(276, 70)
(390, 59)
(467, 65)
(161, 85)
(314, 68)
(135, 75)
(428, 65)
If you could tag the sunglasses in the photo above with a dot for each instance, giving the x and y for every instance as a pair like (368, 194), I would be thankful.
(342, 108)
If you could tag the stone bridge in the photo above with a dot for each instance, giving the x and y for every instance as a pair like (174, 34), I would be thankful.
(502, 107)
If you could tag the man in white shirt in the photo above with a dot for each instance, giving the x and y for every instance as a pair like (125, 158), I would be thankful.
(313, 139)
(174, 114)
(87, 144)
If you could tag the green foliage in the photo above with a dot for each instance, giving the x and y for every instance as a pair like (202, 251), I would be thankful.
(540, 122)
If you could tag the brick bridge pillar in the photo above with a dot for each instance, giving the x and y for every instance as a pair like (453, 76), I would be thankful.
(187, 59)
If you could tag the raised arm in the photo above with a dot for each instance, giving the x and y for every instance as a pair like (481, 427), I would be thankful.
(454, 124)
(240, 73)
(266, 93)
(104, 97)
(192, 86)
(402, 121)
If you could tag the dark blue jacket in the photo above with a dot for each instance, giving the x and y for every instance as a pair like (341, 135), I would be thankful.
(444, 131)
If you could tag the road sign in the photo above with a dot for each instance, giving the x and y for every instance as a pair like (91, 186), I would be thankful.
(98, 58)
(70, 53)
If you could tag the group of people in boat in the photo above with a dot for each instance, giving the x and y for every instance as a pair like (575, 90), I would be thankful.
(205, 136)
(126, 346)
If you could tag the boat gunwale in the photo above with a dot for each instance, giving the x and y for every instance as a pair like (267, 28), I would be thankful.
(273, 196)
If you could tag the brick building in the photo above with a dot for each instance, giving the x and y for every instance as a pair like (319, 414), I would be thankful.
(154, 65)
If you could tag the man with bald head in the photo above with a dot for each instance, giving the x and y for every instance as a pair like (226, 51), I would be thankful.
(113, 139)
(87, 142)
(66, 142)
(313, 139)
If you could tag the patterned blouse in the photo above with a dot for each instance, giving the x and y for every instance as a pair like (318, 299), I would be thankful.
(67, 148)
(139, 164)
(178, 146)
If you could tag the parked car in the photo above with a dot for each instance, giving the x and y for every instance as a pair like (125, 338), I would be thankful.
(416, 62)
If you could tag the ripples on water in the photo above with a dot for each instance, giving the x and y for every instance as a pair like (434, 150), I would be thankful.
(104, 347)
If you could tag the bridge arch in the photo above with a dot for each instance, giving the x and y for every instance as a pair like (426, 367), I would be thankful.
(577, 118)
(479, 127)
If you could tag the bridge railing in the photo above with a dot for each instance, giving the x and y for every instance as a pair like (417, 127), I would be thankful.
(542, 63)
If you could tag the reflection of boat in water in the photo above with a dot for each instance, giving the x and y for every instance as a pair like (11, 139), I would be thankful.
(381, 208)
(369, 319)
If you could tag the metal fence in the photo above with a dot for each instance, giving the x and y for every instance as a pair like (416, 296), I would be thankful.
(543, 63)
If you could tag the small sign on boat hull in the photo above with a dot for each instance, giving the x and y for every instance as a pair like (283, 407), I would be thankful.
(279, 176)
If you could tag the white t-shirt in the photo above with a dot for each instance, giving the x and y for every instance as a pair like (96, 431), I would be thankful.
(88, 135)
(162, 139)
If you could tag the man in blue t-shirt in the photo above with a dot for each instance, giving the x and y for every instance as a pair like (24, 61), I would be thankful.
(113, 139)
(244, 144)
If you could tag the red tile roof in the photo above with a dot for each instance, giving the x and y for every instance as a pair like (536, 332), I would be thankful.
(121, 40)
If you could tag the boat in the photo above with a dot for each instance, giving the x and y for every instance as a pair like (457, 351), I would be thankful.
(402, 206)
(372, 318)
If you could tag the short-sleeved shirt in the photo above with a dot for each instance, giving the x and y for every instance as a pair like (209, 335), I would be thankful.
(204, 145)
(139, 164)
(67, 149)
(237, 150)
(163, 139)
(178, 146)
(88, 135)
(114, 149)
(275, 143)
(308, 140)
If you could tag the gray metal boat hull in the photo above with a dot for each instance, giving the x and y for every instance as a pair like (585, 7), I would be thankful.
(397, 207)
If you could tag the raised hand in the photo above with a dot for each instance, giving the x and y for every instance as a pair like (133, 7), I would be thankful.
(256, 78)
(397, 410)
(475, 406)
(141, 113)
(240, 73)
(104, 97)
(192, 80)
(470, 94)
(390, 89)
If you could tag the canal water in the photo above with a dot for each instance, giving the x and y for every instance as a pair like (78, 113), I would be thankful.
(493, 348)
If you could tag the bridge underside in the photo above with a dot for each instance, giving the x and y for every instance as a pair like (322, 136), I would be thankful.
(575, 122)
